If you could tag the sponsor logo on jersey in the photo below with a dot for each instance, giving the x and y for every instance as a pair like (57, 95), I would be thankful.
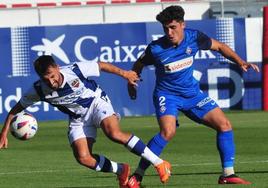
(204, 101)
(179, 65)
(68, 99)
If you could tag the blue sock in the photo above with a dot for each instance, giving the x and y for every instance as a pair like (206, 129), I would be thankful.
(103, 164)
(135, 145)
(226, 147)
(156, 145)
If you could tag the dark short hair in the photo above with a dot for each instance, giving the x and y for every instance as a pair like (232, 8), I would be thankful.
(42, 63)
(171, 13)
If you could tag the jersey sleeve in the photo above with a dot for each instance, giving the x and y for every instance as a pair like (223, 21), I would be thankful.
(89, 69)
(29, 98)
(204, 42)
(147, 58)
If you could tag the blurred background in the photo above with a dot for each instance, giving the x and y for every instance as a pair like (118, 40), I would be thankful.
(117, 31)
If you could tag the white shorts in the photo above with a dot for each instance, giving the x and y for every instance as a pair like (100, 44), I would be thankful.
(86, 126)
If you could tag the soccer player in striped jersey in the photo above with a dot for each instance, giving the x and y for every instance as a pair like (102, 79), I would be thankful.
(176, 89)
(72, 90)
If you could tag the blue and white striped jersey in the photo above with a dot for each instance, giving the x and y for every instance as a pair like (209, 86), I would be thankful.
(76, 93)
(174, 64)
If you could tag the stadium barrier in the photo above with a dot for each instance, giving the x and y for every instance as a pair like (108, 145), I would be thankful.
(222, 80)
(56, 12)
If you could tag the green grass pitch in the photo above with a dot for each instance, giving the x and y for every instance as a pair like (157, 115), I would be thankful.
(47, 160)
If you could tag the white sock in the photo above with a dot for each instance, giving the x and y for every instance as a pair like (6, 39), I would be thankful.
(228, 171)
(143, 150)
(116, 167)
(150, 156)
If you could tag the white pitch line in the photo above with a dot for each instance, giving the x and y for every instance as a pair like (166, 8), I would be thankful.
(208, 164)
(69, 170)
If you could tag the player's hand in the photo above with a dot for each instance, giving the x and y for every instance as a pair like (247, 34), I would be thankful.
(132, 91)
(132, 77)
(3, 140)
(245, 66)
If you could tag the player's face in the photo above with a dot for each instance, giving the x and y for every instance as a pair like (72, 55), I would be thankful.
(53, 78)
(174, 31)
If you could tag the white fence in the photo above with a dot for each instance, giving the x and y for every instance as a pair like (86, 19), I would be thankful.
(33, 14)
(71, 12)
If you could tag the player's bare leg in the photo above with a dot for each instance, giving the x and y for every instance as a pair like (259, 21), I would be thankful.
(112, 130)
(82, 149)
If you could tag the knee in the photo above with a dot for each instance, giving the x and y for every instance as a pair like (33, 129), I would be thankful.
(225, 125)
(168, 134)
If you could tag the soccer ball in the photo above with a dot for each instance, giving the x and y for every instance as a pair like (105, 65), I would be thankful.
(23, 126)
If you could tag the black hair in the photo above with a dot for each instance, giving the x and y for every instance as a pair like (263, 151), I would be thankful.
(42, 63)
(174, 12)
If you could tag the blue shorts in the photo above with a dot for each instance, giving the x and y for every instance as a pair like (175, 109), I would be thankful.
(194, 107)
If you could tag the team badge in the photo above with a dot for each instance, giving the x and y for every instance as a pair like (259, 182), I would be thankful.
(188, 50)
(162, 109)
(75, 83)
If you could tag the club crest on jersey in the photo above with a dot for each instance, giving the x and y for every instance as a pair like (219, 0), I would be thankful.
(162, 109)
(188, 50)
(75, 83)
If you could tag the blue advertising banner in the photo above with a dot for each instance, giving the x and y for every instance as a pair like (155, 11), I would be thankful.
(121, 45)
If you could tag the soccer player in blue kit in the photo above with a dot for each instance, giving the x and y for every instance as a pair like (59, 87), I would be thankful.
(73, 91)
(176, 90)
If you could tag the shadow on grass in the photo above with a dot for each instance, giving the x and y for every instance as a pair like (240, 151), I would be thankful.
(212, 173)
(161, 185)
(93, 186)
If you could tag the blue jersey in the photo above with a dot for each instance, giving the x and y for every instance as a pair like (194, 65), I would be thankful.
(174, 64)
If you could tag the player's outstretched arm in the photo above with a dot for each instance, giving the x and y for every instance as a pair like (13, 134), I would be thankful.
(3, 135)
(130, 76)
(228, 53)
